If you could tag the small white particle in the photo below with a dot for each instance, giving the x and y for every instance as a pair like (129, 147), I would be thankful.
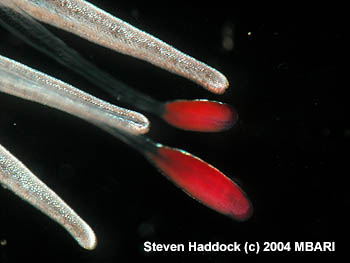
(3, 242)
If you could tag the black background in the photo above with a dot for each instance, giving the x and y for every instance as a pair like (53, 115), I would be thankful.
(285, 151)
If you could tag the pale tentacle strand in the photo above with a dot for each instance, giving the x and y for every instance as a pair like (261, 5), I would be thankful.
(17, 178)
(90, 22)
(19, 80)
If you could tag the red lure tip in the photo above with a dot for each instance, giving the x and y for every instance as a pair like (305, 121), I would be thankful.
(200, 115)
(203, 182)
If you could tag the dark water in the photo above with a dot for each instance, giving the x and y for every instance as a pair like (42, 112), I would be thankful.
(286, 150)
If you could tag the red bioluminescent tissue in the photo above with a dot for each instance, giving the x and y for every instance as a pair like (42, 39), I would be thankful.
(200, 115)
(203, 182)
